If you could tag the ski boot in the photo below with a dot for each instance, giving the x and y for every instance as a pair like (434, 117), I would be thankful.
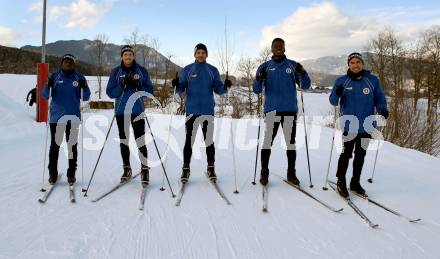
(145, 175)
(127, 174)
(211, 173)
(185, 174)
(71, 179)
(291, 177)
(356, 187)
(342, 187)
(264, 177)
(53, 177)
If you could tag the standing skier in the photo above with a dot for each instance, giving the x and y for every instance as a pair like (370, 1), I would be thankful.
(358, 93)
(279, 76)
(65, 87)
(125, 80)
(200, 80)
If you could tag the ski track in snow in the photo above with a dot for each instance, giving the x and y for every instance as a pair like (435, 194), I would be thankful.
(204, 226)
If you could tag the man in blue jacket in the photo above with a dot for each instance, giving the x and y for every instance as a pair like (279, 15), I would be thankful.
(200, 80)
(279, 77)
(65, 87)
(359, 94)
(126, 80)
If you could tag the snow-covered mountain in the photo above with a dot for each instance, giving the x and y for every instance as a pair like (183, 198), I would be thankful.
(84, 50)
(204, 226)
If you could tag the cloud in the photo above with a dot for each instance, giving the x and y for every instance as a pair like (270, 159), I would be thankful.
(78, 14)
(320, 30)
(8, 37)
(324, 30)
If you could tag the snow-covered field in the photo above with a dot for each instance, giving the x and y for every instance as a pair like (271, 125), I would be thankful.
(204, 226)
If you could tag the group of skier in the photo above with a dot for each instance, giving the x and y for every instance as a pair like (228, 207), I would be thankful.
(358, 93)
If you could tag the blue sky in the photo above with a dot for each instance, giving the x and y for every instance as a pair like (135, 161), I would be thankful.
(311, 28)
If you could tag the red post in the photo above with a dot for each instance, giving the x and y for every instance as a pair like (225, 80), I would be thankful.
(42, 104)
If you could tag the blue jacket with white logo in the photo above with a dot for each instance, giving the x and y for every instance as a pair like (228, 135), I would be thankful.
(115, 88)
(280, 85)
(66, 95)
(200, 80)
(361, 96)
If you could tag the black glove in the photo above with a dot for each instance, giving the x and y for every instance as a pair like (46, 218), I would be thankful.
(175, 82)
(340, 91)
(262, 75)
(51, 82)
(227, 84)
(124, 82)
(82, 83)
(134, 82)
(384, 113)
(300, 69)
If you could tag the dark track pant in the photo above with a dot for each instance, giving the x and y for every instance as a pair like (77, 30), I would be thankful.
(57, 131)
(123, 122)
(273, 120)
(191, 126)
(358, 143)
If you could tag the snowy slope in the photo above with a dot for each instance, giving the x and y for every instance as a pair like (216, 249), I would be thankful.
(204, 226)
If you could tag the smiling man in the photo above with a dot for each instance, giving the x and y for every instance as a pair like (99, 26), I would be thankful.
(125, 80)
(200, 80)
(64, 88)
(359, 94)
(279, 77)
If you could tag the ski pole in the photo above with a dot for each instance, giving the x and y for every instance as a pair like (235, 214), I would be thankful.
(103, 145)
(160, 158)
(82, 141)
(169, 135)
(305, 135)
(232, 142)
(47, 136)
(370, 180)
(260, 98)
(325, 188)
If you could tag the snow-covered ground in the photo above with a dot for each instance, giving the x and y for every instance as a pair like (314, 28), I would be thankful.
(204, 226)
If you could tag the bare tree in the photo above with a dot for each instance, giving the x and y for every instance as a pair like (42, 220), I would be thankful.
(408, 125)
(99, 46)
(144, 49)
(386, 59)
(154, 55)
(246, 68)
(416, 66)
(264, 56)
(432, 53)
(133, 40)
